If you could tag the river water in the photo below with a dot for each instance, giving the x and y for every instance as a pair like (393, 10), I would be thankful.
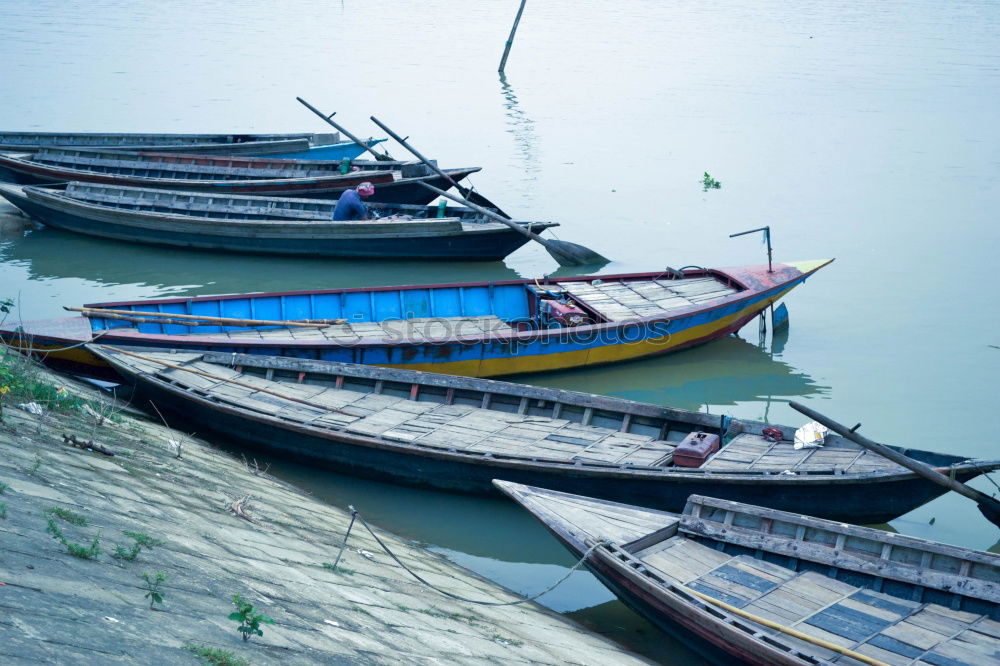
(856, 130)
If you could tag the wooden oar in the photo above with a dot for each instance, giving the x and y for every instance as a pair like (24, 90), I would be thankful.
(230, 321)
(989, 506)
(466, 192)
(209, 375)
(340, 128)
(566, 253)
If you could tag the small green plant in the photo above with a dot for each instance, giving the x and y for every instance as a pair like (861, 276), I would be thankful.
(34, 467)
(129, 554)
(709, 183)
(3, 510)
(3, 488)
(153, 582)
(343, 570)
(217, 657)
(249, 620)
(54, 530)
(70, 517)
(85, 552)
(21, 381)
(76, 550)
(141, 541)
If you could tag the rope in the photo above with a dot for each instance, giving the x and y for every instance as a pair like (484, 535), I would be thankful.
(985, 474)
(356, 515)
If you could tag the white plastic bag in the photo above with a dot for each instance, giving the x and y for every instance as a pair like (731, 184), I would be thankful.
(811, 435)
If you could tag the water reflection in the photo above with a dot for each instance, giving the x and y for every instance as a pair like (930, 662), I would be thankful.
(721, 374)
(522, 128)
(51, 254)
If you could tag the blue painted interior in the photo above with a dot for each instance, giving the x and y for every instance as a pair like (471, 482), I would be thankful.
(508, 302)
(334, 151)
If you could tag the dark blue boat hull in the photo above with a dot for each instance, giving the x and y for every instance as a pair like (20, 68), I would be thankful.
(860, 501)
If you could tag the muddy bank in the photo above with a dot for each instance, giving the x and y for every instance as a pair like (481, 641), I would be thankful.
(216, 526)
(11, 220)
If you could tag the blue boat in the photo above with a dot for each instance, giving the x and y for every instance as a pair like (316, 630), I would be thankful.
(478, 329)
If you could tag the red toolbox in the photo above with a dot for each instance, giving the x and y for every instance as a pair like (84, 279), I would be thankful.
(695, 449)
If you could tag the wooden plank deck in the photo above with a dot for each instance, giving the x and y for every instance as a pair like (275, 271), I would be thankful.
(894, 630)
(753, 453)
(620, 300)
(432, 424)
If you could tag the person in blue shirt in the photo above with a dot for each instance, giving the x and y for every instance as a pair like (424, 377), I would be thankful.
(350, 206)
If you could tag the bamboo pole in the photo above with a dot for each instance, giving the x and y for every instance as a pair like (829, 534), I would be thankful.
(209, 375)
(230, 321)
(565, 252)
(510, 40)
(343, 130)
(467, 192)
(989, 506)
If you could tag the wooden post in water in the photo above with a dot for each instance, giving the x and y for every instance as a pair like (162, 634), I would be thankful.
(510, 40)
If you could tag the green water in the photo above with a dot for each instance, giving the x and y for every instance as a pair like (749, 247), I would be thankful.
(861, 131)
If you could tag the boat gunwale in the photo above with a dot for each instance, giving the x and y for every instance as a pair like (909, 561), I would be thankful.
(197, 158)
(35, 167)
(578, 468)
(834, 526)
(16, 163)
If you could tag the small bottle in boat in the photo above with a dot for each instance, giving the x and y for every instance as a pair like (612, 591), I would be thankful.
(442, 205)
(345, 165)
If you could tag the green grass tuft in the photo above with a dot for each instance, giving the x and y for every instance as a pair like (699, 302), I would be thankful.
(216, 656)
(70, 517)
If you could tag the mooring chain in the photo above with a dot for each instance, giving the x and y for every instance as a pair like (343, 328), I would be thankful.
(356, 516)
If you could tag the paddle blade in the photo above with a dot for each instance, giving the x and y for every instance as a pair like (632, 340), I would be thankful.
(572, 254)
(990, 509)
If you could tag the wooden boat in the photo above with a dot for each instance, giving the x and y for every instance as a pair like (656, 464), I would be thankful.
(267, 225)
(459, 434)
(395, 182)
(479, 329)
(891, 598)
(303, 145)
